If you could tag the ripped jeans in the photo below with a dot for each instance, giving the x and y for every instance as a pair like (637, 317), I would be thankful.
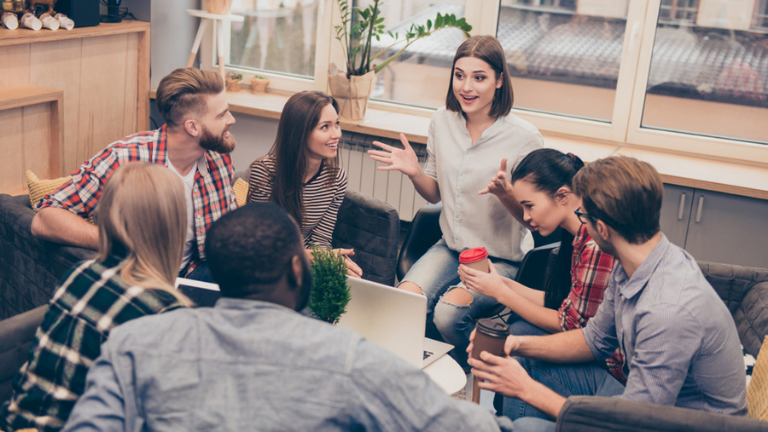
(436, 273)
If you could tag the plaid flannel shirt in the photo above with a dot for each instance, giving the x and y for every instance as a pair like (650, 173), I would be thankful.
(590, 271)
(212, 194)
(91, 300)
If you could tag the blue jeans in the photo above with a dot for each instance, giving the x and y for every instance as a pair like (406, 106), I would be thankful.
(436, 273)
(565, 379)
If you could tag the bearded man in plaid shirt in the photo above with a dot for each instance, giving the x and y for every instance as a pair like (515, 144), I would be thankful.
(194, 143)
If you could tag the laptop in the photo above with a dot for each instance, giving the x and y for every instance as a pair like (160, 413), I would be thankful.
(203, 294)
(393, 319)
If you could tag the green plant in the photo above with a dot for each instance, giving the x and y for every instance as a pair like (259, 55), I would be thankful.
(235, 77)
(258, 77)
(356, 41)
(330, 292)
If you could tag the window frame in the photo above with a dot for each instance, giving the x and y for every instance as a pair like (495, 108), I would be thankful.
(625, 126)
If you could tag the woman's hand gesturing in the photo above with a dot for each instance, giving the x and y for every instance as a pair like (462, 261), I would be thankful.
(499, 185)
(403, 160)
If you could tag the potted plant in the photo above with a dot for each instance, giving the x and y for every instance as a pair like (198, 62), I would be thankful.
(353, 87)
(330, 292)
(259, 84)
(233, 82)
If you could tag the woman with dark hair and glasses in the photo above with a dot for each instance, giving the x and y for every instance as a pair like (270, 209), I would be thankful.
(574, 290)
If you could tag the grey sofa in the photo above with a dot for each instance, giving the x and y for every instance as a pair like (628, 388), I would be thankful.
(745, 291)
(30, 269)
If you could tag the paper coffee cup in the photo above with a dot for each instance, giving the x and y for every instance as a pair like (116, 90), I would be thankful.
(476, 258)
(490, 336)
(30, 21)
(10, 21)
(50, 23)
(65, 22)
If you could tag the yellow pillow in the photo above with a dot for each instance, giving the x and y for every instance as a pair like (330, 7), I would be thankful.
(40, 188)
(757, 392)
(241, 192)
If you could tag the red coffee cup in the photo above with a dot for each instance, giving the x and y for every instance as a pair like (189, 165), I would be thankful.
(476, 258)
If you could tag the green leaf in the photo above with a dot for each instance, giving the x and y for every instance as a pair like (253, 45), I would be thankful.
(429, 24)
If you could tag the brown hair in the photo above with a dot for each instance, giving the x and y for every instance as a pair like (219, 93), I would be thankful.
(623, 192)
(300, 116)
(142, 218)
(184, 91)
(489, 50)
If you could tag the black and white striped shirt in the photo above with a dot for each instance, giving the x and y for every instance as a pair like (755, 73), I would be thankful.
(321, 203)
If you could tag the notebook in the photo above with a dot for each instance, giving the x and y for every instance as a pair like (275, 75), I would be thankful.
(393, 319)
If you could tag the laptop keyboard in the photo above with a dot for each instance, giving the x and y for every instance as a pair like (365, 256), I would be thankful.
(427, 354)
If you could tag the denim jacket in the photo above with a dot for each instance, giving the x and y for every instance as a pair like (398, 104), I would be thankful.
(248, 365)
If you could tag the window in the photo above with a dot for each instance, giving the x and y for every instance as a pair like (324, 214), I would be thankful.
(678, 11)
(559, 61)
(276, 35)
(543, 4)
(427, 61)
(708, 80)
(761, 15)
(685, 75)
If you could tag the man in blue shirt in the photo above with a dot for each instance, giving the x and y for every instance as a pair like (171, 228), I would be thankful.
(253, 363)
(677, 336)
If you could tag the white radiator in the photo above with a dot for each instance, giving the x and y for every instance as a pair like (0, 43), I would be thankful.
(390, 186)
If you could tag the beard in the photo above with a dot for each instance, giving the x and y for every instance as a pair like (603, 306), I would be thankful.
(217, 143)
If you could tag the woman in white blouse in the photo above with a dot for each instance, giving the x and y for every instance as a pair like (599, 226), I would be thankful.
(468, 140)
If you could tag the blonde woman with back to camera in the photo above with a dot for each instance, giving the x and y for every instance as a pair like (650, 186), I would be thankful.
(142, 222)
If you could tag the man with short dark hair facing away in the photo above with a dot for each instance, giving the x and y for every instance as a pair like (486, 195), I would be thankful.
(253, 363)
(677, 336)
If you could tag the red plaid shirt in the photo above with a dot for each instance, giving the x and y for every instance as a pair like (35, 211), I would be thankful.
(590, 271)
(212, 194)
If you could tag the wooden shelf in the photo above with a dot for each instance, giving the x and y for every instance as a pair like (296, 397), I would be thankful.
(21, 96)
(22, 35)
(28, 95)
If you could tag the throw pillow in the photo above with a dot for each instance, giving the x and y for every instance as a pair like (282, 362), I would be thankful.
(757, 392)
(40, 188)
(241, 191)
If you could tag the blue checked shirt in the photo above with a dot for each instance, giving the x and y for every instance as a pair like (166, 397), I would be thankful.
(678, 337)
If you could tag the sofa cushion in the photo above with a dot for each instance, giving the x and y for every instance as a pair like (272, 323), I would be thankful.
(757, 392)
(30, 269)
(38, 189)
(372, 228)
(745, 291)
(241, 191)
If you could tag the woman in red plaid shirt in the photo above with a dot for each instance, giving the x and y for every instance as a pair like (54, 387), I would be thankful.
(574, 290)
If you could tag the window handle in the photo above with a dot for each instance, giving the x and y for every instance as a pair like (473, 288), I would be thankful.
(681, 210)
(633, 35)
(698, 212)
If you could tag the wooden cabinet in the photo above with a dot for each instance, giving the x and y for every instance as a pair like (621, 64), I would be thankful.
(103, 72)
(716, 227)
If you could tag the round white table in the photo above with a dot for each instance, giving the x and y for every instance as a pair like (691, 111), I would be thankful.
(447, 374)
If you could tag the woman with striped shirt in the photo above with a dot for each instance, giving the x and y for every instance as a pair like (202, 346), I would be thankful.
(301, 172)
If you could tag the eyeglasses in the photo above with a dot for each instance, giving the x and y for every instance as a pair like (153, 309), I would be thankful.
(583, 217)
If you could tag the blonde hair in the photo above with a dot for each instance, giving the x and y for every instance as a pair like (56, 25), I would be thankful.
(142, 218)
